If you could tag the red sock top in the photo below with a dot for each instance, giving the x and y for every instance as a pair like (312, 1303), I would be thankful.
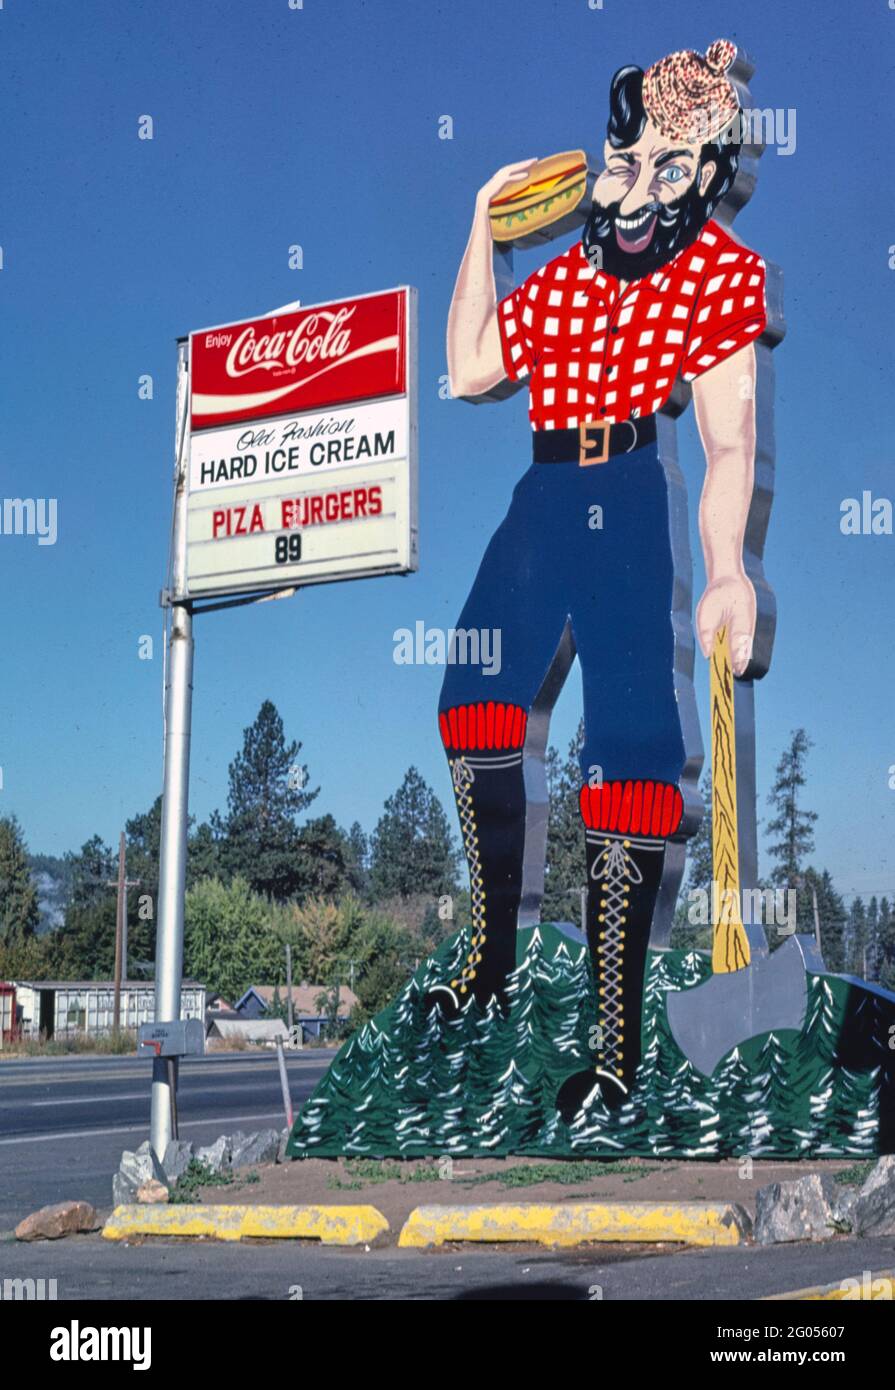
(632, 808)
(487, 724)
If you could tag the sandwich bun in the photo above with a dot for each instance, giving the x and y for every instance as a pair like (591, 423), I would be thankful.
(554, 188)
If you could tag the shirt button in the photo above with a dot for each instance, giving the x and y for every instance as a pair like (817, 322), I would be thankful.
(602, 410)
(613, 330)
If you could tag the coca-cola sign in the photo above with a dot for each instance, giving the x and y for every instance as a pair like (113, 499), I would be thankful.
(322, 355)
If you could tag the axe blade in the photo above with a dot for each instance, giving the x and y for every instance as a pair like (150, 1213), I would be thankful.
(711, 1019)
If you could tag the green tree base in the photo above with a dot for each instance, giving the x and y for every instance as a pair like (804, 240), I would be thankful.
(410, 1085)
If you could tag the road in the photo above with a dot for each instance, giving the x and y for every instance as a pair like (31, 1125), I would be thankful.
(90, 1268)
(64, 1121)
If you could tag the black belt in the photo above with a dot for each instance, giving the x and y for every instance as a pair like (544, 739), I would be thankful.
(594, 442)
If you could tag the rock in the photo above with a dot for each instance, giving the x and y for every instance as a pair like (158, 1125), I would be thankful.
(808, 1208)
(61, 1219)
(248, 1150)
(216, 1156)
(135, 1169)
(152, 1191)
(281, 1147)
(178, 1156)
(842, 1204)
(873, 1212)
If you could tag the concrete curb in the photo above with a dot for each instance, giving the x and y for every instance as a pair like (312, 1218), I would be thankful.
(331, 1225)
(859, 1288)
(575, 1223)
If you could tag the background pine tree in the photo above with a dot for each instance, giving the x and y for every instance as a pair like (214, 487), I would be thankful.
(412, 849)
(268, 790)
(84, 946)
(687, 936)
(793, 827)
(565, 868)
(857, 938)
(886, 945)
(873, 950)
(19, 911)
(832, 914)
(358, 859)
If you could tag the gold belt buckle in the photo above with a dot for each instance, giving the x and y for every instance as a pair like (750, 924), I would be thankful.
(587, 442)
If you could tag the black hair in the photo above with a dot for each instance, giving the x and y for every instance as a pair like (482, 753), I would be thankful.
(627, 118)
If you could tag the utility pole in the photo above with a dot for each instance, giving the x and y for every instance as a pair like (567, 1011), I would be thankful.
(116, 1006)
(816, 918)
(121, 883)
(172, 852)
(289, 987)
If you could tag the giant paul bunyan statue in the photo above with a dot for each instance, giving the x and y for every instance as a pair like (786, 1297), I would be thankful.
(655, 290)
(493, 1047)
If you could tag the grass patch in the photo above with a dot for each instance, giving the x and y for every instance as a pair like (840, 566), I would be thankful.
(570, 1172)
(367, 1172)
(857, 1174)
(195, 1177)
(114, 1044)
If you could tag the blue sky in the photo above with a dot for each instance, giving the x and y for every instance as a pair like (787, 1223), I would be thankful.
(320, 126)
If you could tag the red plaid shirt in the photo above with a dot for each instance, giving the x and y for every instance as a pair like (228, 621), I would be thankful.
(595, 355)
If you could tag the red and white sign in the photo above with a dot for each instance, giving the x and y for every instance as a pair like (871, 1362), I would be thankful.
(303, 447)
(347, 350)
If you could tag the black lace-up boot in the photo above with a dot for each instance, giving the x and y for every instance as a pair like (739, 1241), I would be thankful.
(490, 793)
(624, 872)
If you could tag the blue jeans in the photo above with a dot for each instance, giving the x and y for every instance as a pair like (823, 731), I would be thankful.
(548, 565)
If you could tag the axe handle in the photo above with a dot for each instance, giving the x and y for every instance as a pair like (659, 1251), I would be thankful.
(730, 945)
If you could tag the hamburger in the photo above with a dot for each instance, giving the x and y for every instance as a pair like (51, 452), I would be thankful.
(555, 186)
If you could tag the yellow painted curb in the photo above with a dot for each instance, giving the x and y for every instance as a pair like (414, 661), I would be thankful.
(335, 1225)
(877, 1287)
(568, 1223)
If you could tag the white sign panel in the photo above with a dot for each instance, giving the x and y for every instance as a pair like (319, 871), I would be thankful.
(319, 494)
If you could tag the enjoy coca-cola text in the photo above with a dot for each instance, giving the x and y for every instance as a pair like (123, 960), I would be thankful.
(321, 335)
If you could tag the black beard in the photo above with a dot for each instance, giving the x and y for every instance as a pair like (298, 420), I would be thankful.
(678, 225)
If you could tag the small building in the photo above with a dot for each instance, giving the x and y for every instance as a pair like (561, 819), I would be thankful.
(306, 1010)
(7, 1012)
(262, 1031)
(62, 1008)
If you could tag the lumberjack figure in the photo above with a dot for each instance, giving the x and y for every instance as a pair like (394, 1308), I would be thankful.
(654, 288)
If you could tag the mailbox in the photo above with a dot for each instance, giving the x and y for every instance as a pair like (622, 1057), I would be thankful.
(183, 1038)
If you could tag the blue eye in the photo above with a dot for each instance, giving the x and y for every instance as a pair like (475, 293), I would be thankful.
(673, 174)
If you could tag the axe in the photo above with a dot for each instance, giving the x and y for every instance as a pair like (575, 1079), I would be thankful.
(751, 991)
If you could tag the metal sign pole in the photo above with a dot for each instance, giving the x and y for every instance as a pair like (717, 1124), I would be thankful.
(175, 792)
(116, 1002)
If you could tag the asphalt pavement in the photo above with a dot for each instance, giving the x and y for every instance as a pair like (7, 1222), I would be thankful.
(65, 1121)
(89, 1268)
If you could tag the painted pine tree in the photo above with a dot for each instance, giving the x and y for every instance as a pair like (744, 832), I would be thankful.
(410, 1083)
(512, 1116)
(768, 1101)
(726, 1094)
(560, 1011)
(850, 1114)
(669, 1081)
